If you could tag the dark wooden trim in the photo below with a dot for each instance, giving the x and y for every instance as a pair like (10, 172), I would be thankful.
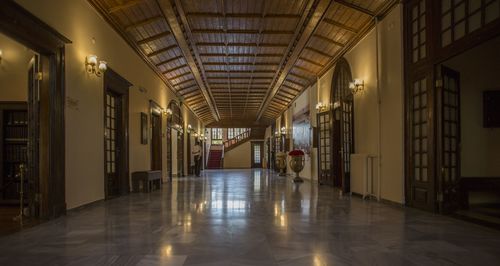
(113, 82)
(24, 27)
(155, 110)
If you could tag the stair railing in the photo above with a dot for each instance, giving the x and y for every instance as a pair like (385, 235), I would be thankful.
(237, 139)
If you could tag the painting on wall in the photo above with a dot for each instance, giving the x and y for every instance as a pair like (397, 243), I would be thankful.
(302, 130)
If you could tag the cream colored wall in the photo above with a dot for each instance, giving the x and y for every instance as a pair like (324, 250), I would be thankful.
(239, 157)
(480, 146)
(362, 59)
(79, 22)
(14, 66)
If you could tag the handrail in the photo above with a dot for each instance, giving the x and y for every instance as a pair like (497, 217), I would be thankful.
(230, 142)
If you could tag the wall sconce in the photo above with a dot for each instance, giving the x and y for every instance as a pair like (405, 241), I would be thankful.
(93, 67)
(168, 112)
(283, 130)
(190, 127)
(276, 133)
(1, 54)
(336, 104)
(358, 85)
(202, 135)
(195, 135)
(320, 107)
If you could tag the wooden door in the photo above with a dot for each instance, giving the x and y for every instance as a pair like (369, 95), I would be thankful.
(156, 142)
(33, 136)
(448, 89)
(347, 142)
(116, 144)
(325, 173)
(113, 139)
(257, 152)
(336, 150)
(421, 187)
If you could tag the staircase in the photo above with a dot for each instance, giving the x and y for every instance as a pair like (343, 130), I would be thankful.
(254, 133)
(214, 159)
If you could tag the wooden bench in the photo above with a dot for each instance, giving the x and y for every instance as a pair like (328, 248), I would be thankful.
(484, 184)
(146, 181)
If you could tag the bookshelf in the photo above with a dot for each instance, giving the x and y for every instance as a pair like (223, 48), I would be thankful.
(14, 150)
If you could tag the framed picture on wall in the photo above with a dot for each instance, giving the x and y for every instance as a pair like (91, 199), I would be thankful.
(144, 128)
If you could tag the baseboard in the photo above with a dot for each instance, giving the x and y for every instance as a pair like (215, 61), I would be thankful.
(382, 200)
(84, 206)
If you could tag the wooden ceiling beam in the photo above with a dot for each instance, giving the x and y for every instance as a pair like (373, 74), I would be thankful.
(125, 5)
(239, 72)
(311, 62)
(154, 38)
(241, 44)
(306, 70)
(314, 50)
(180, 75)
(143, 22)
(184, 82)
(240, 15)
(162, 50)
(340, 25)
(356, 7)
(174, 69)
(169, 60)
(239, 64)
(240, 31)
(328, 40)
(182, 33)
(241, 55)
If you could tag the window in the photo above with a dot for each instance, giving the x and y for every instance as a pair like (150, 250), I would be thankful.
(418, 31)
(234, 132)
(216, 133)
(256, 154)
(461, 17)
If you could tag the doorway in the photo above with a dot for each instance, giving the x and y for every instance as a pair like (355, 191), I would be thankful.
(342, 125)
(257, 153)
(116, 135)
(175, 140)
(156, 136)
(33, 133)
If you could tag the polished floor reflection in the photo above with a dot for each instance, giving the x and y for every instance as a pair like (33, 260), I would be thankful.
(249, 217)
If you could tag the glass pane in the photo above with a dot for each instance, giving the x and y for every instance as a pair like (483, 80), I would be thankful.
(445, 5)
(492, 11)
(424, 175)
(474, 5)
(446, 21)
(460, 30)
(459, 12)
(446, 38)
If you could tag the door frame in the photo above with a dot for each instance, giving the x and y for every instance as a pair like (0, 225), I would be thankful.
(344, 96)
(117, 84)
(24, 27)
(155, 110)
(252, 153)
(425, 66)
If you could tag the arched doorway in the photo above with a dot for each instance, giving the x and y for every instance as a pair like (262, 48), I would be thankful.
(342, 102)
(175, 140)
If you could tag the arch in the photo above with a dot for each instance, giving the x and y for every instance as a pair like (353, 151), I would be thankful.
(175, 121)
(342, 145)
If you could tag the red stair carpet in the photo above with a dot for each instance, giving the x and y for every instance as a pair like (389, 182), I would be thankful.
(214, 159)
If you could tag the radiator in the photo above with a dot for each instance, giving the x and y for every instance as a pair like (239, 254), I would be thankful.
(362, 175)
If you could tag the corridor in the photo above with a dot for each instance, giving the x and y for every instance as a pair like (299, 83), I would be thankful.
(249, 217)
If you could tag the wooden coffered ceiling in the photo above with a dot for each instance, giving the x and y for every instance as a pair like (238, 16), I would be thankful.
(241, 60)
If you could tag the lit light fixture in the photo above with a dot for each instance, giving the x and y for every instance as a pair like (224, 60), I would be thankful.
(276, 133)
(358, 85)
(202, 135)
(1, 54)
(320, 107)
(283, 130)
(336, 104)
(190, 127)
(93, 67)
(168, 111)
(195, 134)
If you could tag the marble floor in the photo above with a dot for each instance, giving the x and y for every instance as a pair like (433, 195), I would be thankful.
(249, 217)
